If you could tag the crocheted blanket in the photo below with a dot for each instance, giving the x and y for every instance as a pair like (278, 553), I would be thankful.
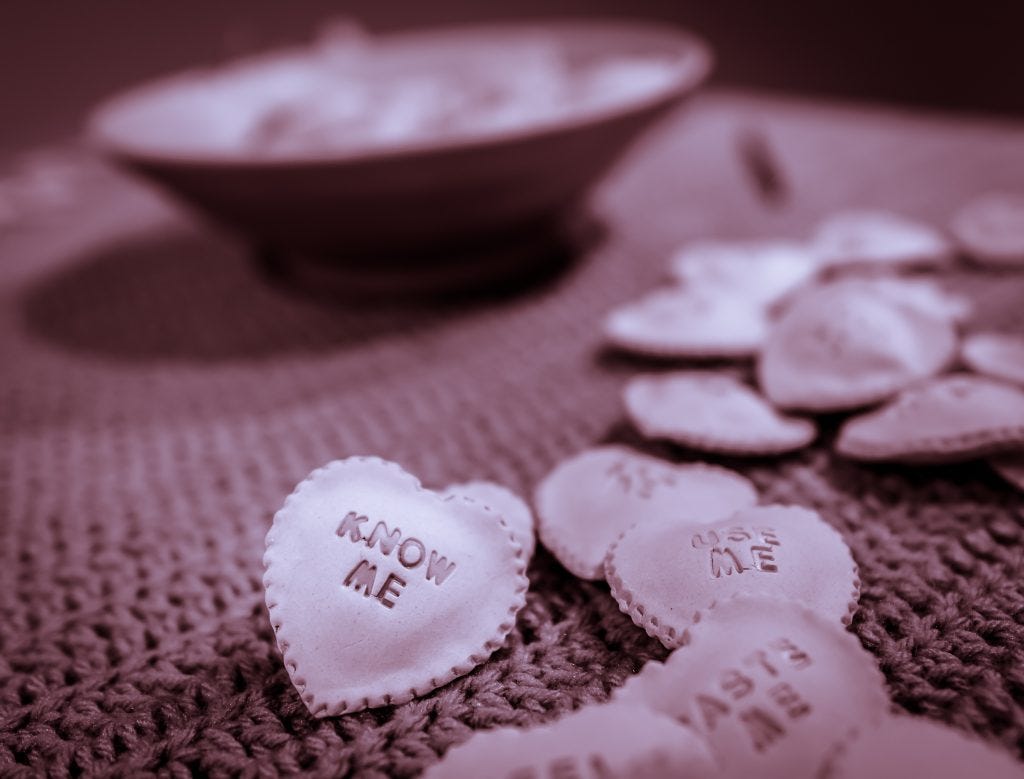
(159, 398)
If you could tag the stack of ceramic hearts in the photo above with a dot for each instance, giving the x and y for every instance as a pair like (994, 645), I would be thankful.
(855, 320)
(380, 590)
(752, 600)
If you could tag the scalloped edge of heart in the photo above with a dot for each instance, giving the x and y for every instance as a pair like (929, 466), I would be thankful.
(319, 708)
(630, 605)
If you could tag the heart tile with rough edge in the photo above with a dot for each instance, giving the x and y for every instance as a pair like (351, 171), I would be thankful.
(714, 412)
(843, 346)
(950, 418)
(873, 238)
(606, 740)
(761, 271)
(906, 746)
(380, 591)
(666, 575)
(586, 502)
(924, 295)
(769, 683)
(679, 322)
(990, 229)
(502, 501)
(999, 355)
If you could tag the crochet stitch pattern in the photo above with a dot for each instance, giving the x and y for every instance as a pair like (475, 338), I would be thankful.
(158, 401)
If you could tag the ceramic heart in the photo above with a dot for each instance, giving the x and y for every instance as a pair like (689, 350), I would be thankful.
(666, 575)
(380, 590)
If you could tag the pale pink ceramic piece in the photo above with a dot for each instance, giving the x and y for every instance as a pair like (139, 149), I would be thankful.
(905, 747)
(844, 346)
(873, 238)
(771, 685)
(596, 742)
(999, 355)
(666, 575)
(714, 412)
(505, 503)
(379, 590)
(685, 322)
(759, 271)
(923, 295)
(990, 229)
(955, 417)
(416, 197)
(589, 499)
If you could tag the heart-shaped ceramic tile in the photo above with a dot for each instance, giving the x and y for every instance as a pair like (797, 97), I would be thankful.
(714, 412)
(681, 322)
(380, 591)
(905, 746)
(879, 238)
(923, 295)
(843, 346)
(585, 503)
(505, 503)
(595, 742)
(999, 355)
(955, 417)
(665, 575)
(769, 683)
(760, 271)
(990, 229)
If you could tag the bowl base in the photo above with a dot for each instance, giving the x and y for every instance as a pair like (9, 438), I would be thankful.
(505, 263)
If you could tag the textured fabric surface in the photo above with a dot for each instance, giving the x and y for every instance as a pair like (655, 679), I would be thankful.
(159, 399)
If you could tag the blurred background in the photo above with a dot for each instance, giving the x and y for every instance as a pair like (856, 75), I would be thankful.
(58, 59)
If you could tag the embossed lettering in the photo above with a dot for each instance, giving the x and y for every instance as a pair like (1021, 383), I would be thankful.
(362, 577)
(699, 541)
(439, 569)
(724, 561)
(411, 551)
(789, 700)
(387, 590)
(762, 727)
(763, 559)
(737, 534)
(711, 710)
(759, 657)
(736, 684)
(350, 526)
(768, 536)
(637, 479)
(386, 540)
(564, 768)
(601, 769)
(793, 654)
(418, 550)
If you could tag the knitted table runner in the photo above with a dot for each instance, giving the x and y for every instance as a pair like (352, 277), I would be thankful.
(159, 398)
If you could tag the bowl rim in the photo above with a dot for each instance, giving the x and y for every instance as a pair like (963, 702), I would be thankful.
(695, 63)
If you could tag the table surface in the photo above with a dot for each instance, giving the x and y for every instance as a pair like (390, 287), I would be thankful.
(159, 398)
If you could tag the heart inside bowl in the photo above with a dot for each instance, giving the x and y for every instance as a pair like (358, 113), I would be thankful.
(413, 198)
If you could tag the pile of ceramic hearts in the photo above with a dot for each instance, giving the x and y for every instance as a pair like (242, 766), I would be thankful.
(850, 321)
(380, 590)
(762, 679)
(752, 599)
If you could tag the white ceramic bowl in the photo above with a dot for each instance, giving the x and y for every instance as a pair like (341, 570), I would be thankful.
(414, 196)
